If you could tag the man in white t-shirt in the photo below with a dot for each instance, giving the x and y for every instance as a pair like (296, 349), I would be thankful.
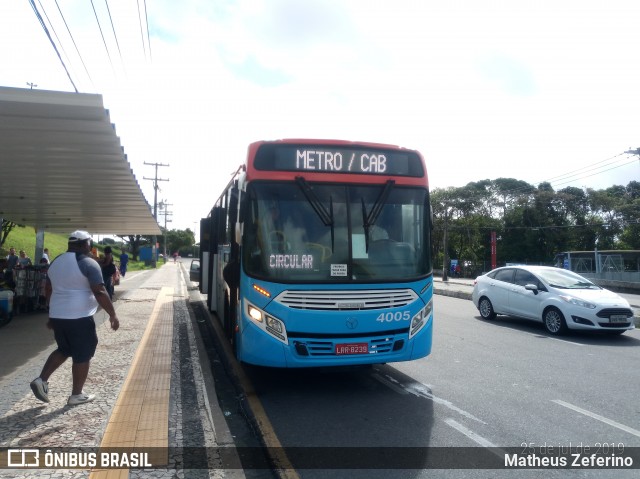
(74, 290)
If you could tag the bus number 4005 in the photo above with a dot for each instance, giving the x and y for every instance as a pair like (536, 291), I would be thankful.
(397, 316)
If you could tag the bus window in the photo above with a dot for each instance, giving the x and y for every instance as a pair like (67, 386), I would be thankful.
(287, 240)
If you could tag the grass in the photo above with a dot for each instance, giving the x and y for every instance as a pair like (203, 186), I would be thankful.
(25, 238)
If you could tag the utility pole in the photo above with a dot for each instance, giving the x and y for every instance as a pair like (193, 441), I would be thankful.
(445, 266)
(163, 206)
(31, 85)
(633, 152)
(155, 206)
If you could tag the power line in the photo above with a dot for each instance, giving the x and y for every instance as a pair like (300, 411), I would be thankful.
(584, 169)
(46, 31)
(74, 43)
(141, 33)
(598, 172)
(146, 21)
(54, 31)
(102, 35)
(572, 173)
(114, 32)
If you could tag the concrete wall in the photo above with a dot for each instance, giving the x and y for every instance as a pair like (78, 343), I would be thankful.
(628, 282)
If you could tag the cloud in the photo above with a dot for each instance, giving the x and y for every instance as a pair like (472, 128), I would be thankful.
(509, 74)
(483, 88)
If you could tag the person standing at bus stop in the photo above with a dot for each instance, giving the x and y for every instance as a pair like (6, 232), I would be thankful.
(12, 262)
(124, 261)
(74, 290)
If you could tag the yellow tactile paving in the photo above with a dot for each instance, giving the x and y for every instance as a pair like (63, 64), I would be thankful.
(140, 418)
(110, 474)
(126, 413)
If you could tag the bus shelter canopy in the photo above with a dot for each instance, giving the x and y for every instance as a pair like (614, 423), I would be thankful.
(62, 166)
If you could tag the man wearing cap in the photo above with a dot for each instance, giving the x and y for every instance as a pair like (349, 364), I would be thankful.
(74, 289)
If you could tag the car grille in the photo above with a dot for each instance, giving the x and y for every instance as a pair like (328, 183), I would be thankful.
(605, 313)
(615, 325)
(347, 300)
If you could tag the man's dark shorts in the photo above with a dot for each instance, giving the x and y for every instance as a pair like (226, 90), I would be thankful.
(76, 337)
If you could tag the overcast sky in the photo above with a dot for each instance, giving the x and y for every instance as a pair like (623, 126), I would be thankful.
(544, 90)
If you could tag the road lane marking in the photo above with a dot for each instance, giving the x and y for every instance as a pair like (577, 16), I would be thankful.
(275, 451)
(390, 384)
(477, 438)
(603, 419)
(421, 390)
(567, 342)
(541, 336)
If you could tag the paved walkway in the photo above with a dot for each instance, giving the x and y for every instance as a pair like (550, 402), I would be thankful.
(151, 391)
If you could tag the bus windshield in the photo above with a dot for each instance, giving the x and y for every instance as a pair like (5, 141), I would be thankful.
(298, 232)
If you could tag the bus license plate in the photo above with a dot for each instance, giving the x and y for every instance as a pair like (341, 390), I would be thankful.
(618, 318)
(352, 348)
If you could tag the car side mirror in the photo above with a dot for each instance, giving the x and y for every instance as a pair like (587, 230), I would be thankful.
(531, 287)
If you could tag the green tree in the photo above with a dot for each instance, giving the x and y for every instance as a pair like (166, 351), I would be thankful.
(134, 243)
(630, 213)
(7, 226)
(180, 240)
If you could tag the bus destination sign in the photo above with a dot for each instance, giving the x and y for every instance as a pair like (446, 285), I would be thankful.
(340, 160)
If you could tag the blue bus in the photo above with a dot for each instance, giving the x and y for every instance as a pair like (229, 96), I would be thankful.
(317, 253)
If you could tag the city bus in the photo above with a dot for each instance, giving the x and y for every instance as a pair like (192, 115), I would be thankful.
(317, 253)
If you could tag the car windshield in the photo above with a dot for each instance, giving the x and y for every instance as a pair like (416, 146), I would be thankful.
(336, 233)
(563, 279)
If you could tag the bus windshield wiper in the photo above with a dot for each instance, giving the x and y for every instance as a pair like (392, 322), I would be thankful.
(325, 216)
(368, 220)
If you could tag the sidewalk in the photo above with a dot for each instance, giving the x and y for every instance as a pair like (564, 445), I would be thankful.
(147, 377)
(457, 287)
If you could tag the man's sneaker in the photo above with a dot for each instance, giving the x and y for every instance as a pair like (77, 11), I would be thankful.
(81, 398)
(40, 389)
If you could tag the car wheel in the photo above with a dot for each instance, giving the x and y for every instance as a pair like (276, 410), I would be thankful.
(486, 309)
(554, 322)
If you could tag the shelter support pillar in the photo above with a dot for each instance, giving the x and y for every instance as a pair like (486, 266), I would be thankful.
(39, 245)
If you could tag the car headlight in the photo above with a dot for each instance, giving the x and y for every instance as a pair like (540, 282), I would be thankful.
(578, 302)
(268, 323)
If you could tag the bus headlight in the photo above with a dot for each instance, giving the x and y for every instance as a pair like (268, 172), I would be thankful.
(255, 313)
(275, 324)
(269, 324)
(419, 320)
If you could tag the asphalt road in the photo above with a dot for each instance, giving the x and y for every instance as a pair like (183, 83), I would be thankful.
(499, 384)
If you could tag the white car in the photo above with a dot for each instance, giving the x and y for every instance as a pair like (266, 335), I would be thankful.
(561, 299)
